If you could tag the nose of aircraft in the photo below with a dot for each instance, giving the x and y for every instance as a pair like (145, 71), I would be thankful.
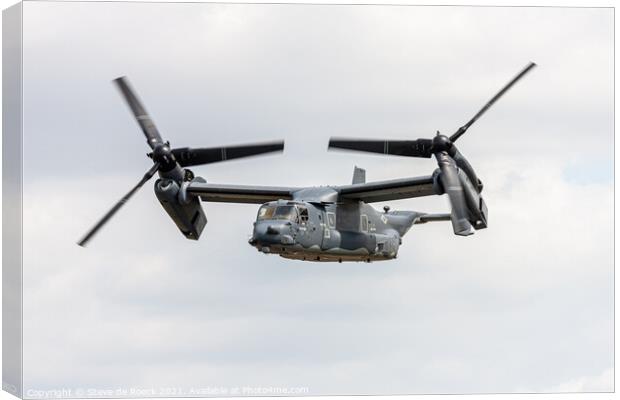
(271, 232)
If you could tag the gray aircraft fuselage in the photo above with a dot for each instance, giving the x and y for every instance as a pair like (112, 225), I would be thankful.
(329, 231)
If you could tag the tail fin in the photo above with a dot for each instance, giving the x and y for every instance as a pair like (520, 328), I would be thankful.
(359, 175)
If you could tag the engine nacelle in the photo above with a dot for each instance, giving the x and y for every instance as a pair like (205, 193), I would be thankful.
(475, 203)
(476, 207)
(186, 212)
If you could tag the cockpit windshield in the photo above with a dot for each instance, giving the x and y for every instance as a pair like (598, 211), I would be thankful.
(277, 212)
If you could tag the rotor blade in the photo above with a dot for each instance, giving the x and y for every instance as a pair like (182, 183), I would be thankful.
(187, 156)
(499, 94)
(408, 148)
(452, 186)
(144, 120)
(149, 174)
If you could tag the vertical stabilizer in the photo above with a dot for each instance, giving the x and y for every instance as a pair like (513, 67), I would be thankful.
(359, 175)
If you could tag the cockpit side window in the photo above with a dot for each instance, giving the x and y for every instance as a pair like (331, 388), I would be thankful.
(285, 212)
(303, 214)
(266, 212)
(278, 212)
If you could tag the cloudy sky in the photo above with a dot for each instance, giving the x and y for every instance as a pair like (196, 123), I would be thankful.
(525, 305)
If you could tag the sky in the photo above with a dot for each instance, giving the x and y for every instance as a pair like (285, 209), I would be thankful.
(523, 306)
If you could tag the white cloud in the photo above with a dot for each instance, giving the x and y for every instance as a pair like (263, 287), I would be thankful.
(599, 383)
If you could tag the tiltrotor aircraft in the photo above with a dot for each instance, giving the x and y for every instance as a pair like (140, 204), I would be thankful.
(326, 223)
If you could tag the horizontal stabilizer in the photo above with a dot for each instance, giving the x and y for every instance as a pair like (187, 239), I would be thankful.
(424, 218)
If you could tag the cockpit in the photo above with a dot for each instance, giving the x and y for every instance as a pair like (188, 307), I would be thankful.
(271, 212)
(278, 225)
(297, 213)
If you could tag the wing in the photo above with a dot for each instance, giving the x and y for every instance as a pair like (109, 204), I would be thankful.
(395, 189)
(239, 193)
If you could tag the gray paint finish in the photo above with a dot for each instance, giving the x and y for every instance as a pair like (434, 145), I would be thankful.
(359, 232)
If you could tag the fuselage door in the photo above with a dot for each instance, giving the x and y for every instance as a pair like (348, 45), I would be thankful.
(310, 225)
(364, 223)
(329, 226)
